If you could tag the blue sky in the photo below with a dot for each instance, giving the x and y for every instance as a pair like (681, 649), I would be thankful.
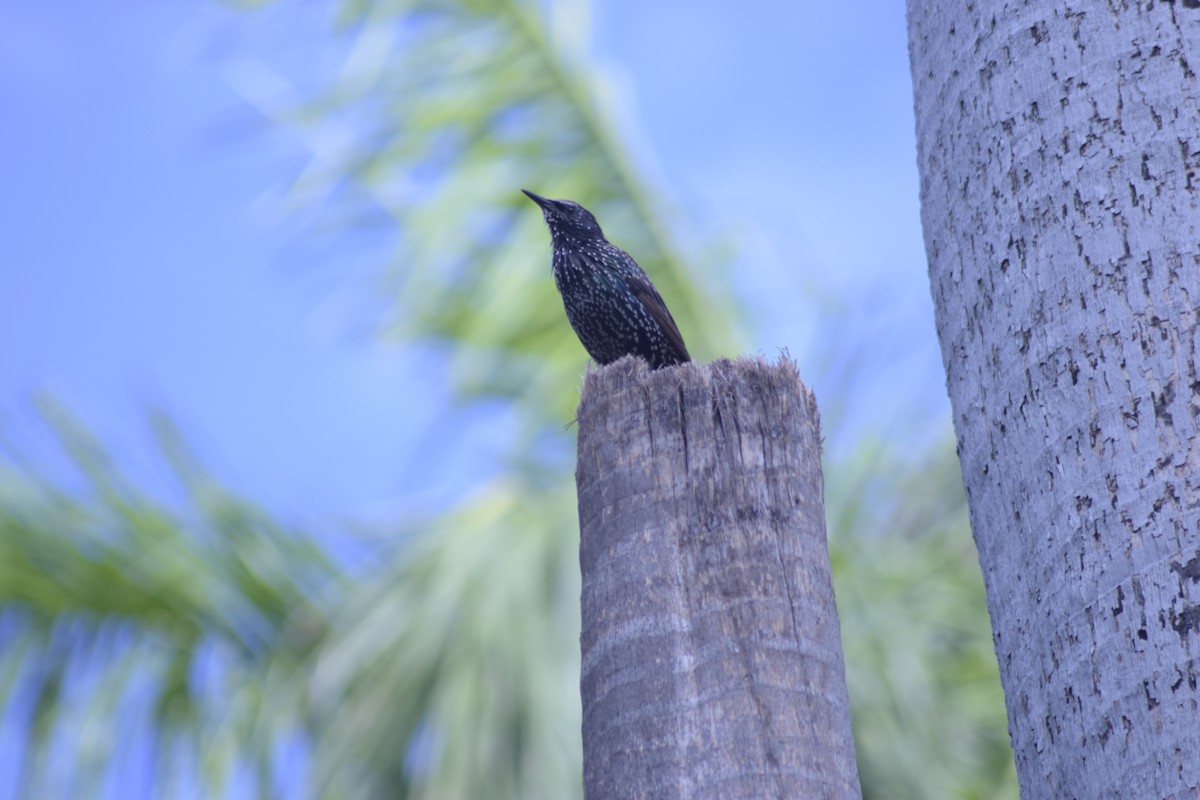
(145, 261)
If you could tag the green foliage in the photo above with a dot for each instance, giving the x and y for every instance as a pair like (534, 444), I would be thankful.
(108, 594)
(929, 717)
(443, 112)
(455, 672)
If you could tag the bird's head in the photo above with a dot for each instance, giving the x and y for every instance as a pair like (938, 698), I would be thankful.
(566, 218)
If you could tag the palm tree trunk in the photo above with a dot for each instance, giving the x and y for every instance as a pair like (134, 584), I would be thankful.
(1059, 152)
(712, 661)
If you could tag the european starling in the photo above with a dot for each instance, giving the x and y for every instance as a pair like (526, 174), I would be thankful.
(610, 302)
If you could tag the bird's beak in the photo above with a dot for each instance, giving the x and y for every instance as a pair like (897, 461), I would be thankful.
(537, 198)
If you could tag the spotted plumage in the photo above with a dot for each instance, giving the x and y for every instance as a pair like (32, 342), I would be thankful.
(609, 300)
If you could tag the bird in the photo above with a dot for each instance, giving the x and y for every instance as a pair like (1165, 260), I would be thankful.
(610, 301)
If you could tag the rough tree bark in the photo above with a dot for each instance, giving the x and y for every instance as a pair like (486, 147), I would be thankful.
(712, 660)
(1059, 152)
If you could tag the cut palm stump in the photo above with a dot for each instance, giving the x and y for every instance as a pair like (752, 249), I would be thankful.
(712, 660)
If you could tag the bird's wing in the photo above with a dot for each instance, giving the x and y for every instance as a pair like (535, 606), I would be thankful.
(652, 301)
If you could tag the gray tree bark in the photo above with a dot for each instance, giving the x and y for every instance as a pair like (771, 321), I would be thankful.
(712, 660)
(1059, 152)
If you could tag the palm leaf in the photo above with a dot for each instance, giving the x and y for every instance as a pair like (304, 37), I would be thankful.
(106, 588)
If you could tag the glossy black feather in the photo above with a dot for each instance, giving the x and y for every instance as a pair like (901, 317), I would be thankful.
(610, 301)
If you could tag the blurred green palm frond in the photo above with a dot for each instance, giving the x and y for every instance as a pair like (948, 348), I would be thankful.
(443, 112)
(929, 717)
(118, 608)
(463, 656)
